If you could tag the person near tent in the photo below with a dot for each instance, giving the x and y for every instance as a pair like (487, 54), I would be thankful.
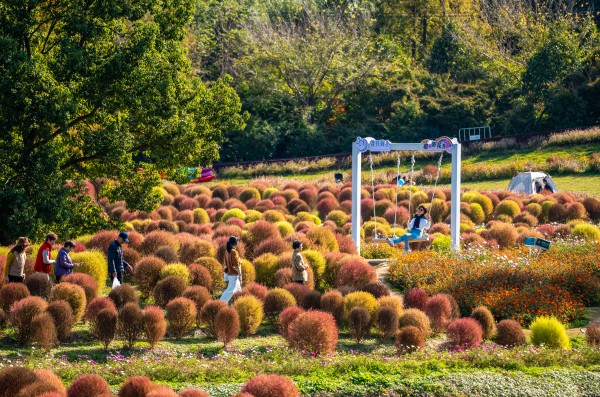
(538, 187)
(547, 186)
(416, 226)
(233, 268)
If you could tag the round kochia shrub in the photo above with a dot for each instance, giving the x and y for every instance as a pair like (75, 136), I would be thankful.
(509, 333)
(276, 300)
(550, 332)
(332, 302)
(359, 322)
(193, 393)
(130, 323)
(314, 332)
(415, 298)
(361, 299)
(592, 334)
(74, 295)
(409, 339)
(287, 316)
(122, 295)
(266, 267)
(155, 325)
(317, 263)
(92, 263)
(63, 319)
(507, 207)
(11, 293)
(167, 289)
(13, 379)
(439, 311)
(147, 273)
(181, 316)
(176, 269)
(138, 386)
(387, 321)
(159, 238)
(274, 245)
(88, 386)
(586, 231)
(250, 313)
(192, 249)
(257, 290)
(206, 317)
(94, 307)
(85, 281)
(227, 325)
(355, 274)
(486, 320)
(198, 294)
(39, 284)
(465, 332)
(416, 318)
(106, 326)
(43, 331)
(200, 276)
(270, 386)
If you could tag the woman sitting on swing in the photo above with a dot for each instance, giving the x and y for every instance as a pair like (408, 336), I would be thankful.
(416, 226)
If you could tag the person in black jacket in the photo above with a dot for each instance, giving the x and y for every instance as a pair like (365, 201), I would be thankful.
(116, 262)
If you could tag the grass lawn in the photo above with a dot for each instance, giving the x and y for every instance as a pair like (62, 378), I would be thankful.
(371, 368)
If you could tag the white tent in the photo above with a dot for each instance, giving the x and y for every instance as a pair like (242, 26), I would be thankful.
(525, 182)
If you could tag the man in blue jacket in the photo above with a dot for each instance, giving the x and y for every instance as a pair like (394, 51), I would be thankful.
(116, 262)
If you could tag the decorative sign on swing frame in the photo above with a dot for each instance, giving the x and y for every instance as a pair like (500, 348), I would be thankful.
(373, 145)
(442, 142)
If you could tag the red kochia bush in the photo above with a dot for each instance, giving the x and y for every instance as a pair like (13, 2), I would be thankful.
(85, 281)
(208, 314)
(22, 313)
(63, 319)
(439, 311)
(332, 302)
(283, 277)
(312, 300)
(106, 325)
(88, 386)
(376, 289)
(355, 274)
(415, 298)
(592, 334)
(193, 393)
(181, 315)
(122, 295)
(314, 332)
(274, 245)
(11, 293)
(465, 332)
(147, 273)
(299, 291)
(509, 333)
(138, 386)
(359, 322)
(270, 386)
(131, 323)
(325, 206)
(155, 325)
(410, 339)
(197, 294)
(169, 288)
(200, 276)
(258, 290)
(43, 331)
(387, 321)
(227, 325)
(13, 379)
(94, 308)
(287, 316)
(102, 240)
(39, 284)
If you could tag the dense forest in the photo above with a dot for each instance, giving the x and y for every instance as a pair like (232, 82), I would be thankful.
(314, 74)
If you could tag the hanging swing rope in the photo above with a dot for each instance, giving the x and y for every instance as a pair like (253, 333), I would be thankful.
(375, 235)
(412, 170)
(437, 176)
(397, 184)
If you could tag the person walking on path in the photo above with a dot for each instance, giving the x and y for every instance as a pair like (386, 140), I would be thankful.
(416, 226)
(299, 273)
(64, 265)
(44, 261)
(233, 268)
(14, 269)
(116, 261)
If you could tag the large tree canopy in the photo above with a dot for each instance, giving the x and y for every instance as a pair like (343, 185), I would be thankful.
(86, 87)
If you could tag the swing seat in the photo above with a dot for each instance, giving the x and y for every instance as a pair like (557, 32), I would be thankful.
(424, 237)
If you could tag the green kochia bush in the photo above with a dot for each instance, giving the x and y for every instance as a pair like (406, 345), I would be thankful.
(74, 295)
(276, 300)
(250, 312)
(550, 332)
(176, 269)
(92, 263)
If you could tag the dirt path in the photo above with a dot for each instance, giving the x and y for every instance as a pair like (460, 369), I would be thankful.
(382, 265)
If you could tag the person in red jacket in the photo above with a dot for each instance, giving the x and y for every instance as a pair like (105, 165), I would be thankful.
(44, 259)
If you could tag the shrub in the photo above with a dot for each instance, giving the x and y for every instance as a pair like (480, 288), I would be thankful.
(361, 299)
(131, 323)
(507, 207)
(273, 245)
(557, 213)
(102, 239)
(94, 308)
(147, 273)
(49, 379)
(193, 393)
(197, 294)
(190, 250)
(323, 239)
(250, 313)
(92, 263)
(505, 234)
(74, 295)
(586, 231)
(394, 302)
(439, 311)
(509, 333)
(176, 269)
(216, 271)
(592, 334)
(549, 332)
(63, 319)
(167, 289)
(167, 254)
(13, 379)
(88, 386)
(416, 318)
(260, 231)
(355, 274)
(22, 313)
(206, 317)
(387, 321)
(201, 216)
(376, 289)
(299, 291)
(333, 303)
(283, 277)
(314, 332)
(286, 317)
(106, 325)
(526, 218)
(233, 213)
(159, 238)
(11, 293)
(312, 300)
(266, 267)
(486, 320)
(138, 386)
(200, 276)
(409, 339)
(592, 206)
(39, 284)
(465, 332)
(155, 325)
(85, 281)
(122, 295)
(276, 300)
(415, 298)
(181, 316)
(359, 322)
(227, 325)
(43, 331)
(249, 193)
(317, 263)
(270, 385)
(161, 391)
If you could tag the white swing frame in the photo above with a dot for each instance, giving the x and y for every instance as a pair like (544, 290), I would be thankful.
(442, 144)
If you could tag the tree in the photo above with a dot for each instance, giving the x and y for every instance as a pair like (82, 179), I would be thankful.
(84, 87)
